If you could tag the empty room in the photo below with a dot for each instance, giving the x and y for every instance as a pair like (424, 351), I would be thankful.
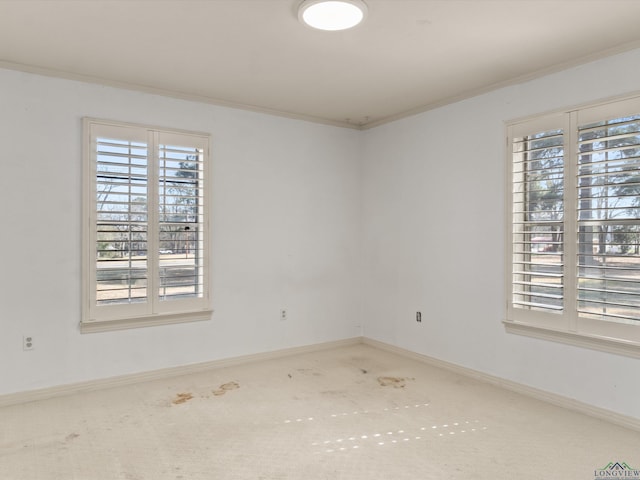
(267, 239)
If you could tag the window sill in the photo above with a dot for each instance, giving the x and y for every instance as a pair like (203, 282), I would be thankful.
(594, 342)
(95, 326)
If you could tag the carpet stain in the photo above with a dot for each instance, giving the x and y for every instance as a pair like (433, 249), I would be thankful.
(395, 382)
(182, 398)
(225, 387)
(363, 371)
(71, 436)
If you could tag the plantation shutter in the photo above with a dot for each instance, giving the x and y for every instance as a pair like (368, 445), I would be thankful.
(145, 250)
(181, 218)
(537, 274)
(608, 186)
(573, 236)
(121, 221)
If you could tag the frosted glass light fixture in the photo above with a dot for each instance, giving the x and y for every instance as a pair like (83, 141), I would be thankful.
(332, 14)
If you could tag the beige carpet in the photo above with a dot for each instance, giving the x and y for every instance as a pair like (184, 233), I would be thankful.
(349, 413)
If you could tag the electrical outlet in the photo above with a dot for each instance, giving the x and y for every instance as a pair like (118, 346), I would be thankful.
(27, 342)
(419, 317)
(283, 314)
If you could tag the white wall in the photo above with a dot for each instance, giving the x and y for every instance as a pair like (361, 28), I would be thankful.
(433, 236)
(286, 211)
(303, 215)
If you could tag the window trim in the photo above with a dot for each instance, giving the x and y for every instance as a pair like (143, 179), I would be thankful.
(567, 327)
(201, 308)
(593, 342)
(95, 326)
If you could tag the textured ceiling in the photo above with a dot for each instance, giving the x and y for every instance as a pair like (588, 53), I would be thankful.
(409, 55)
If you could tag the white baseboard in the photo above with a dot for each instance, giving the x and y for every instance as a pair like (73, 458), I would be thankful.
(552, 398)
(123, 380)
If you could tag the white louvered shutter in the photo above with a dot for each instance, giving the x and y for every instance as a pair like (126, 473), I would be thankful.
(181, 219)
(147, 241)
(608, 186)
(537, 276)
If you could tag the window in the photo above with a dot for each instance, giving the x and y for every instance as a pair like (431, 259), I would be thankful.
(574, 227)
(146, 257)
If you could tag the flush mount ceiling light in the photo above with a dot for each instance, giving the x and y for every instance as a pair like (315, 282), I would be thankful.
(332, 14)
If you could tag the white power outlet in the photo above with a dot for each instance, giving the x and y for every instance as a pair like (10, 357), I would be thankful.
(283, 314)
(27, 342)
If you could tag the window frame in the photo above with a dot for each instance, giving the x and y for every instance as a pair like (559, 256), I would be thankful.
(567, 326)
(99, 318)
